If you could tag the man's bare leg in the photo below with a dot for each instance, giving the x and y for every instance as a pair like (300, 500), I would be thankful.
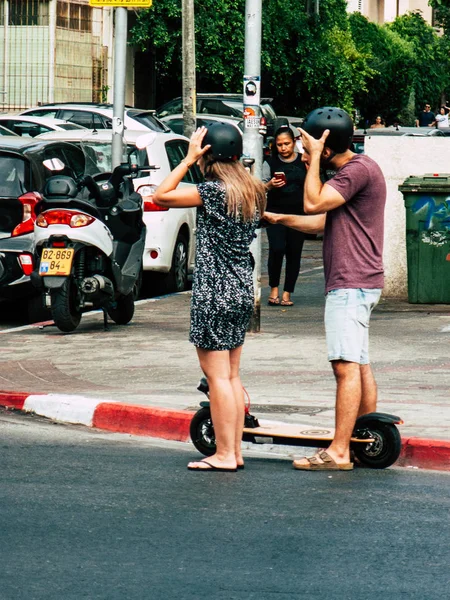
(348, 400)
(369, 391)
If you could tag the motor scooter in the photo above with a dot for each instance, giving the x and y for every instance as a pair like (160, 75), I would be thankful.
(376, 440)
(89, 239)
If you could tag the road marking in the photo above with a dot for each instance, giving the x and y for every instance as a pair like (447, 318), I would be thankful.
(309, 270)
(446, 329)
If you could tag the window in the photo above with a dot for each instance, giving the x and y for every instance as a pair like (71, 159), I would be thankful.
(43, 112)
(72, 158)
(73, 16)
(27, 129)
(28, 12)
(145, 118)
(84, 118)
(171, 108)
(176, 151)
(14, 181)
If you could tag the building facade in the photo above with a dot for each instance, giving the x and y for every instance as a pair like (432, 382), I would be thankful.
(56, 51)
(384, 11)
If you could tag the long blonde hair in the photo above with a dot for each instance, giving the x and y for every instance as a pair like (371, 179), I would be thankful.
(245, 195)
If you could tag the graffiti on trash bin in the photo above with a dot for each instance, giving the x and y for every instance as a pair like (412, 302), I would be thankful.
(434, 238)
(437, 216)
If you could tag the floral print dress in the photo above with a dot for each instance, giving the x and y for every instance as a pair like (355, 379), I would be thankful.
(222, 291)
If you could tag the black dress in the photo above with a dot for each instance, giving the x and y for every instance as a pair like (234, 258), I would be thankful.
(222, 291)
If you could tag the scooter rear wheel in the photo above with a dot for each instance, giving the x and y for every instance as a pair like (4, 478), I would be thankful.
(384, 451)
(201, 431)
(65, 311)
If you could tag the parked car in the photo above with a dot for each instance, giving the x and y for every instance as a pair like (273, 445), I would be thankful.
(360, 135)
(32, 126)
(97, 116)
(170, 242)
(22, 179)
(219, 104)
(175, 122)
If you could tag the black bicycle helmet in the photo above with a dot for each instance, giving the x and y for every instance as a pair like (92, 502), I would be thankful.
(336, 120)
(225, 141)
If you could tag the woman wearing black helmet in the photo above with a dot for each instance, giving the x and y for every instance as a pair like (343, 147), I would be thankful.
(230, 204)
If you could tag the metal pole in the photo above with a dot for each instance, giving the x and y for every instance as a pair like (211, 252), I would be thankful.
(52, 50)
(188, 59)
(253, 141)
(120, 60)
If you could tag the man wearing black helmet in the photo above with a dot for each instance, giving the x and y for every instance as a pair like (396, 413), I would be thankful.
(350, 209)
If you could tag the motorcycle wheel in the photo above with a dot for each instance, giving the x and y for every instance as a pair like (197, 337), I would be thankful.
(65, 311)
(201, 431)
(123, 311)
(384, 451)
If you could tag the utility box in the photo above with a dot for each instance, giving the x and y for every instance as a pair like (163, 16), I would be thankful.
(427, 204)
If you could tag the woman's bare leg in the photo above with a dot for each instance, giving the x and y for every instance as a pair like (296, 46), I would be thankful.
(235, 359)
(216, 366)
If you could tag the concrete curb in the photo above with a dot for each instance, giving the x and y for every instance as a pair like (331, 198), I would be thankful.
(174, 424)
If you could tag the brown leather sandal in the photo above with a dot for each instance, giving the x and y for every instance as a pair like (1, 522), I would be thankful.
(326, 463)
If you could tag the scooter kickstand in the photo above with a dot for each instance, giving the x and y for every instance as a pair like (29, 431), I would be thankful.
(105, 320)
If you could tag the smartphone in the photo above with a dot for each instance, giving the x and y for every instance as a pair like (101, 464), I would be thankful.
(280, 176)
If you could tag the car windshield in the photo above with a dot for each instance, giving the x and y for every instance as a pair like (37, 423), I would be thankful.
(99, 159)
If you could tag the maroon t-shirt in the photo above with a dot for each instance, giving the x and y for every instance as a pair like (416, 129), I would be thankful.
(354, 232)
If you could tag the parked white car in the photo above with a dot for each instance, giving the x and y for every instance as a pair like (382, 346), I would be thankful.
(97, 116)
(33, 126)
(170, 242)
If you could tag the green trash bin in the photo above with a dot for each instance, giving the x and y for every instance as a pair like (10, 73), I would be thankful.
(427, 203)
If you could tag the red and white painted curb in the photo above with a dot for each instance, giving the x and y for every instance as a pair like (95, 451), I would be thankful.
(111, 416)
(174, 424)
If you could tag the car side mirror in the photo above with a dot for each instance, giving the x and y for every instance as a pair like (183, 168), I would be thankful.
(145, 140)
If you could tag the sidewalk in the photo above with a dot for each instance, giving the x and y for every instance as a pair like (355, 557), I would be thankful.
(150, 363)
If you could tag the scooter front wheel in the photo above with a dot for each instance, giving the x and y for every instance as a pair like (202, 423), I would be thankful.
(384, 451)
(202, 432)
(65, 310)
(123, 311)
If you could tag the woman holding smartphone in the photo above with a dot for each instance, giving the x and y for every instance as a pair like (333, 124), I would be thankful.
(285, 195)
(229, 206)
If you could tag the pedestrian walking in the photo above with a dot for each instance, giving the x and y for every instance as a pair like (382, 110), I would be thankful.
(350, 208)
(229, 205)
(284, 174)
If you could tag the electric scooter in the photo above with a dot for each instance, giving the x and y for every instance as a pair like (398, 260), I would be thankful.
(89, 238)
(376, 440)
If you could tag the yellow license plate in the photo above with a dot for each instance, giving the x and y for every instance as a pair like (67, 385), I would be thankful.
(56, 261)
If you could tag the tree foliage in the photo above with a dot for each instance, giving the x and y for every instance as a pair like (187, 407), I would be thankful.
(307, 60)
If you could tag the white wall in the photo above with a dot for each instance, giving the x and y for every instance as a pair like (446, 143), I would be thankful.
(400, 157)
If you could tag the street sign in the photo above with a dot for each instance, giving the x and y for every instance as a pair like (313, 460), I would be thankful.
(125, 3)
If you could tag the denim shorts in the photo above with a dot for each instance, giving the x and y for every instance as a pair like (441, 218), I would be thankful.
(347, 317)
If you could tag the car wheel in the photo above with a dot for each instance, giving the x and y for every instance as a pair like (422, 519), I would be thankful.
(176, 280)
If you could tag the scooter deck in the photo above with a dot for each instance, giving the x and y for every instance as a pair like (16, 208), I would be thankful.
(296, 431)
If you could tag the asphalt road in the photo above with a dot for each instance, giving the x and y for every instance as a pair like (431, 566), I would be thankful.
(86, 514)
